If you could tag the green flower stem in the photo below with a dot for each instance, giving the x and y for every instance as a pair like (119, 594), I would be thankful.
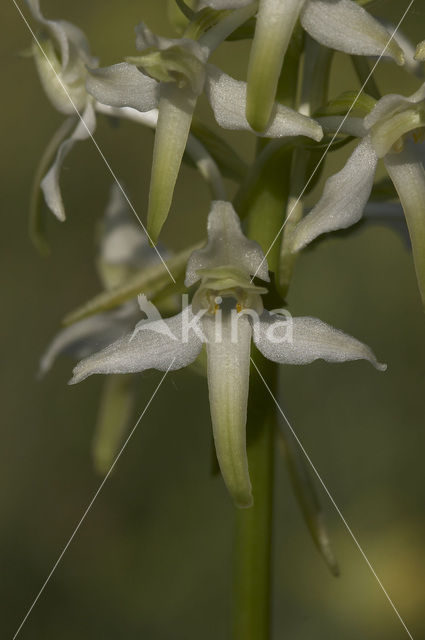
(267, 202)
(252, 577)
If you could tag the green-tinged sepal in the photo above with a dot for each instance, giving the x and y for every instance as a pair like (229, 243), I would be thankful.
(389, 133)
(115, 413)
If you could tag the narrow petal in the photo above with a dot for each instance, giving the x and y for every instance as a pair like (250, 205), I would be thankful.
(344, 197)
(408, 175)
(345, 26)
(50, 183)
(89, 335)
(275, 22)
(146, 349)
(228, 384)
(309, 339)
(176, 108)
(227, 245)
(123, 85)
(228, 96)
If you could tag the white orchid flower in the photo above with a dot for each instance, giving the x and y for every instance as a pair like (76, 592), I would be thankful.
(170, 74)
(338, 24)
(226, 314)
(394, 131)
(124, 248)
(62, 65)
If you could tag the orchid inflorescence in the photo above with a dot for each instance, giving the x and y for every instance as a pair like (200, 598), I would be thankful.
(252, 244)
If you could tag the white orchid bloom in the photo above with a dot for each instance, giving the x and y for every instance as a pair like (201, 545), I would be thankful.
(338, 24)
(124, 249)
(170, 74)
(226, 314)
(394, 131)
(63, 78)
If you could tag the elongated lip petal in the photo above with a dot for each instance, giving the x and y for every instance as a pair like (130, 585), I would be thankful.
(123, 85)
(228, 96)
(275, 22)
(50, 183)
(176, 108)
(304, 340)
(147, 349)
(226, 246)
(228, 384)
(345, 26)
(344, 197)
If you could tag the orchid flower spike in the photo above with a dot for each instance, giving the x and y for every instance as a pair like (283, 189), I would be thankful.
(338, 24)
(395, 131)
(169, 75)
(226, 314)
(124, 249)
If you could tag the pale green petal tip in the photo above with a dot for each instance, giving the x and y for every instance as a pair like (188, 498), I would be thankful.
(420, 52)
(157, 215)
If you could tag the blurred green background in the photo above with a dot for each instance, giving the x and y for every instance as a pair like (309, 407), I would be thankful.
(153, 558)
